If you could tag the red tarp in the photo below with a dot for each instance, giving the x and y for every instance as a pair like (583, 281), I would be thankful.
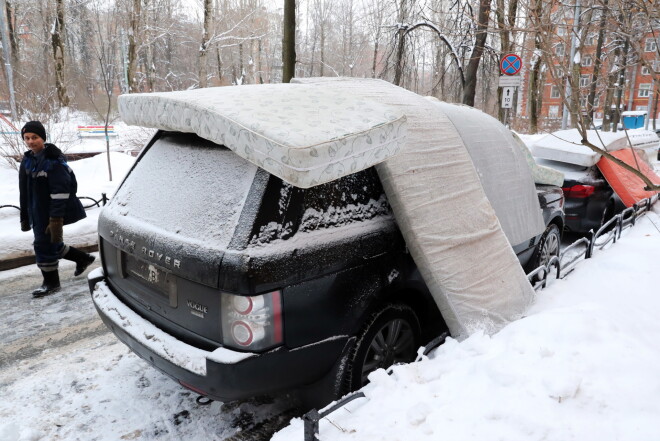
(628, 186)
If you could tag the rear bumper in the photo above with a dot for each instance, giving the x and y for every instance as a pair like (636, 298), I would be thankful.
(583, 214)
(222, 374)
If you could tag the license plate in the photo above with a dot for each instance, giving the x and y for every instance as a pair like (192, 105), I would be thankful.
(160, 282)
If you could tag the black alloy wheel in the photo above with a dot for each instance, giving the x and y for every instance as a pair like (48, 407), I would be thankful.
(547, 248)
(390, 336)
(550, 246)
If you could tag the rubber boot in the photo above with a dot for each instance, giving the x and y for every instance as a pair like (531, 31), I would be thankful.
(50, 285)
(82, 259)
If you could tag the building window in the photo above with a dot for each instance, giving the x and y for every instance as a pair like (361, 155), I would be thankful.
(587, 61)
(585, 80)
(596, 101)
(590, 40)
(560, 50)
(554, 92)
(561, 30)
(645, 70)
(644, 90)
(553, 112)
(650, 45)
(583, 102)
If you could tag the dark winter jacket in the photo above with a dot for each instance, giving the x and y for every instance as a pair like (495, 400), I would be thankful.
(48, 188)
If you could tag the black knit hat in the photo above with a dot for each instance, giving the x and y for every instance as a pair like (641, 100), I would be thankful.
(34, 127)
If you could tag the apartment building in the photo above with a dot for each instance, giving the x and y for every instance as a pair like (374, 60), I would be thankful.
(638, 91)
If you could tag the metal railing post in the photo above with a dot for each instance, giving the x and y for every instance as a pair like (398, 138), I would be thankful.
(311, 420)
(104, 198)
(590, 247)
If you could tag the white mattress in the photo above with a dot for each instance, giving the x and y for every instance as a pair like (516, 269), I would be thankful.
(566, 145)
(450, 227)
(503, 170)
(304, 135)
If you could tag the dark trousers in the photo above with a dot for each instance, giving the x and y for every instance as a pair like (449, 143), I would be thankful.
(48, 254)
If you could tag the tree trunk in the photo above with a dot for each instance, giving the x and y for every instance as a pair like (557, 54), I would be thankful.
(132, 46)
(203, 46)
(289, 41)
(219, 61)
(470, 88)
(57, 41)
(609, 97)
(655, 109)
(260, 70)
(535, 101)
(400, 49)
(575, 95)
(597, 63)
(620, 85)
(322, 44)
(375, 60)
(13, 38)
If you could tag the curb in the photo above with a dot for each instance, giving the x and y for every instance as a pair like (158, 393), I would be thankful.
(29, 260)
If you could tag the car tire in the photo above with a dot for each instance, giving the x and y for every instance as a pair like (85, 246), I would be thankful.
(548, 246)
(389, 336)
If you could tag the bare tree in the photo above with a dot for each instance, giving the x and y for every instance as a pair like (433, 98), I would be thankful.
(288, 41)
(133, 32)
(203, 46)
(57, 41)
(105, 52)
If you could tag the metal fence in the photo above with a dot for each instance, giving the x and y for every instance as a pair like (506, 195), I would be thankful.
(91, 202)
(560, 266)
(608, 233)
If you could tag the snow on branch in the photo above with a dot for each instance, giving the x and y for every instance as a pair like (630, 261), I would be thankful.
(452, 50)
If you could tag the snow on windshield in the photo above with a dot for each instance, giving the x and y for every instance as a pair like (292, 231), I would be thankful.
(185, 186)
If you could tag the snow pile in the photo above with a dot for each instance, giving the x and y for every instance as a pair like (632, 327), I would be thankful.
(581, 365)
(93, 180)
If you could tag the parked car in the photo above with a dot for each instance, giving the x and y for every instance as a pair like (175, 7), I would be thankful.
(589, 200)
(312, 289)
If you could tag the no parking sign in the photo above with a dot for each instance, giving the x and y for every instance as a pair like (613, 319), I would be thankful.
(510, 64)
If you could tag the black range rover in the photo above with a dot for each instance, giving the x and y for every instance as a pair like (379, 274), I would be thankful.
(237, 284)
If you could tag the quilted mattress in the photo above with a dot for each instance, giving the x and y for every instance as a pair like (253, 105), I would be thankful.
(447, 221)
(566, 145)
(304, 135)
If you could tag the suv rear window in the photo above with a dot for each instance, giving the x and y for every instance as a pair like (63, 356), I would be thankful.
(353, 198)
(287, 210)
(188, 186)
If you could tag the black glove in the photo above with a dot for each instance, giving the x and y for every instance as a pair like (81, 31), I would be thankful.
(54, 227)
(25, 226)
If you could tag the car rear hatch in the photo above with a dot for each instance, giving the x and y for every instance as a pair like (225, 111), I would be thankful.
(165, 232)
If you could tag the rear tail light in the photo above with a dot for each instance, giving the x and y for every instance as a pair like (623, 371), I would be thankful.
(579, 191)
(251, 322)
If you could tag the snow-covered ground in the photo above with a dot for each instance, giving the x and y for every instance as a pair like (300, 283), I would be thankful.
(582, 364)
